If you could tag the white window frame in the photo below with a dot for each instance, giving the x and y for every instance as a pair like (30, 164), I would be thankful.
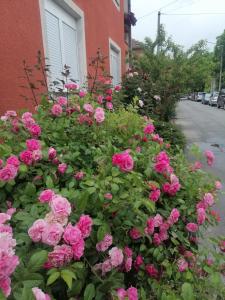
(72, 9)
(114, 46)
(117, 3)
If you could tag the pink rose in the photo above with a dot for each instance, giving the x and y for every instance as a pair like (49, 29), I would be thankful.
(62, 168)
(174, 216)
(8, 173)
(5, 286)
(109, 105)
(33, 144)
(39, 295)
(72, 86)
(151, 271)
(72, 234)
(100, 99)
(4, 217)
(124, 161)
(62, 101)
(117, 88)
(79, 175)
(46, 196)
(26, 157)
(106, 266)
(121, 294)
(85, 225)
(88, 108)
(82, 93)
(52, 234)
(78, 249)
(36, 230)
(51, 153)
(157, 239)
(218, 185)
(35, 130)
(108, 196)
(51, 218)
(201, 216)
(105, 243)
(36, 155)
(210, 157)
(108, 98)
(60, 206)
(192, 227)
(134, 233)
(149, 129)
(128, 264)
(158, 220)
(154, 195)
(99, 115)
(13, 160)
(56, 110)
(182, 265)
(208, 199)
(116, 256)
(138, 262)
(60, 256)
(132, 293)
(150, 226)
(162, 162)
(156, 138)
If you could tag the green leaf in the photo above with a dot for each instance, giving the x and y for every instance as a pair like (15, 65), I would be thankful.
(187, 291)
(49, 182)
(2, 297)
(37, 260)
(68, 277)
(53, 277)
(23, 169)
(81, 201)
(30, 189)
(102, 230)
(27, 294)
(89, 292)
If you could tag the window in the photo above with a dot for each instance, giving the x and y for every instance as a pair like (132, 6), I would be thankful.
(115, 62)
(61, 40)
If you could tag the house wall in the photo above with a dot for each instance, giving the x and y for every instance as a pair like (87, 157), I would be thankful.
(21, 38)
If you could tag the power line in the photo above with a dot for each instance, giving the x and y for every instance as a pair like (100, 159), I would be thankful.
(152, 12)
(183, 6)
(195, 14)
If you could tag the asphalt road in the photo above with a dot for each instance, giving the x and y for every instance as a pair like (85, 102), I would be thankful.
(205, 126)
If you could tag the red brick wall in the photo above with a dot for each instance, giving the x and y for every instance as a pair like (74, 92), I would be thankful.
(21, 38)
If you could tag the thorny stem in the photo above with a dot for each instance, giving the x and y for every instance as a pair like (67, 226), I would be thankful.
(29, 82)
(93, 271)
(96, 74)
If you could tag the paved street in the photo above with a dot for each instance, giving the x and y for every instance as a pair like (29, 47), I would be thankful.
(205, 126)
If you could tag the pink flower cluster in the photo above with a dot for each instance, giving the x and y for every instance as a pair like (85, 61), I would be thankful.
(162, 226)
(162, 164)
(210, 157)
(114, 260)
(172, 187)
(39, 294)
(8, 259)
(99, 115)
(152, 271)
(149, 129)
(103, 245)
(30, 124)
(124, 161)
(130, 294)
(156, 138)
(54, 227)
(56, 110)
(71, 86)
(33, 152)
(10, 170)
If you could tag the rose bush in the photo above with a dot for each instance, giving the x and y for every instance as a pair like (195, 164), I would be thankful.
(99, 207)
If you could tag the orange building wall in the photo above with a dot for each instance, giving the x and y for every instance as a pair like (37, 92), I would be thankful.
(21, 38)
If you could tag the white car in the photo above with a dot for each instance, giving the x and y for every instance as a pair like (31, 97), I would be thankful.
(213, 99)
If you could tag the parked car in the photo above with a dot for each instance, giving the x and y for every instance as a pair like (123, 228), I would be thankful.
(199, 96)
(184, 97)
(221, 99)
(213, 98)
(205, 98)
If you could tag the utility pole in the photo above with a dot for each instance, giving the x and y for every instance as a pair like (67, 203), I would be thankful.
(158, 32)
(221, 67)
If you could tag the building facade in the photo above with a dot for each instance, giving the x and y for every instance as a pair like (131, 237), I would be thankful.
(66, 32)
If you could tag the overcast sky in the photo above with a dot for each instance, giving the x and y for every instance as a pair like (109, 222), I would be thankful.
(185, 30)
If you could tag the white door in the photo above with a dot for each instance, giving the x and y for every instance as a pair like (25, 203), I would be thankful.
(61, 40)
(115, 65)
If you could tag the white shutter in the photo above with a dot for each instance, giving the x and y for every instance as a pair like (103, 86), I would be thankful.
(54, 53)
(70, 49)
(115, 66)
